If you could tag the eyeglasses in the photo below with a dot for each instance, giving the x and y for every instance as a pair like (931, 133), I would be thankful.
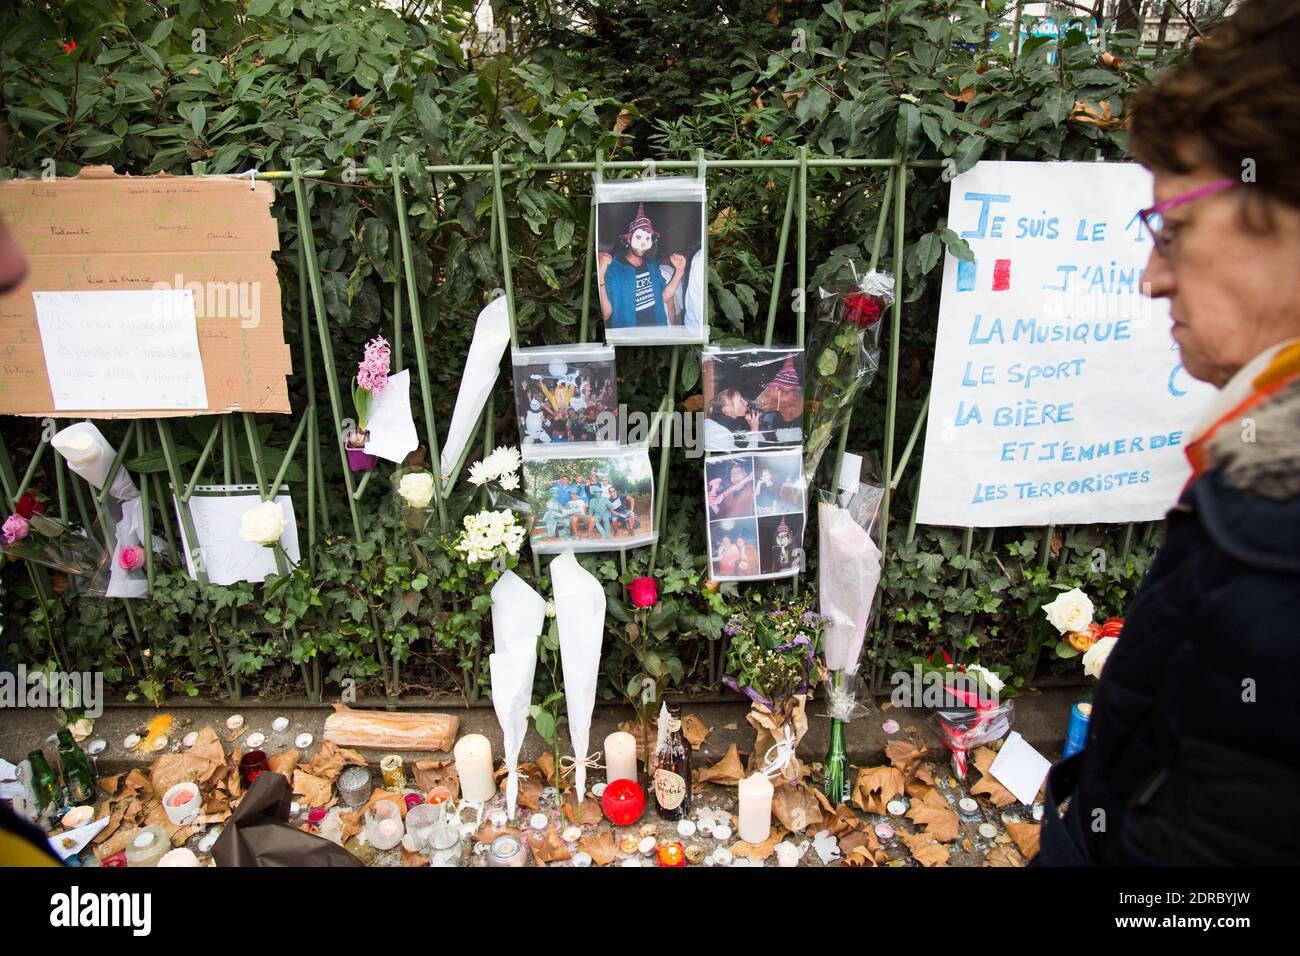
(1153, 216)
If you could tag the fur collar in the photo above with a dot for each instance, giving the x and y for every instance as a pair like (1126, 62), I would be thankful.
(1260, 455)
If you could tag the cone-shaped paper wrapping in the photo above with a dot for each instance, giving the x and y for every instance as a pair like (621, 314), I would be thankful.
(89, 454)
(849, 573)
(580, 614)
(482, 366)
(518, 613)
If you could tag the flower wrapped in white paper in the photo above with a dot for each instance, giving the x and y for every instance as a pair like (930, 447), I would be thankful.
(89, 455)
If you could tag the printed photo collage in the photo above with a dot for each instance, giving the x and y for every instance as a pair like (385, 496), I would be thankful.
(753, 478)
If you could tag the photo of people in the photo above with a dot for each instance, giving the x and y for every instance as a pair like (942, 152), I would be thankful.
(753, 397)
(565, 395)
(756, 509)
(595, 503)
(780, 544)
(651, 260)
(733, 548)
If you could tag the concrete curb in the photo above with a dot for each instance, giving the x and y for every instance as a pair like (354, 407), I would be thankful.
(1040, 717)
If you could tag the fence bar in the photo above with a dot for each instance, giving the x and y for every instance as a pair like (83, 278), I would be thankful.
(322, 327)
(146, 517)
(665, 446)
(187, 519)
(31, 469)
(881, 218)
(421, 356)
(589, 266)
(911, 443)
(896, 322)
(780, 261)
(203, 460)
(498, 200)
(802, 261)
(827, 162)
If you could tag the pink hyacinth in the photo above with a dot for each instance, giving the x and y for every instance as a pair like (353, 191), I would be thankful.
(15, 528)
(372, 373)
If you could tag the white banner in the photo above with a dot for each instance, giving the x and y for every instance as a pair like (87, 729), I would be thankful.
(1058, 393)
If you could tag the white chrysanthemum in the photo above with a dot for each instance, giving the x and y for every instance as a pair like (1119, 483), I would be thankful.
(509, 482)
(504, 461)
(480, 473)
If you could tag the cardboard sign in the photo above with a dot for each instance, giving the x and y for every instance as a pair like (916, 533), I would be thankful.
(1058, 393)
(100, 232)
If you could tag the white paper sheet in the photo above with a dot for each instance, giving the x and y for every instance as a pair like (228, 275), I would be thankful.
(1020, 768)
(1059, 396)
(122, 349)
(227, 557)
(580, 615)
(482, 365)
(518, 614)
(80, 837)
(392, 429)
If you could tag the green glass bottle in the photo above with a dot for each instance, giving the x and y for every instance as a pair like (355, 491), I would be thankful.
(78, 772)
(44, 783)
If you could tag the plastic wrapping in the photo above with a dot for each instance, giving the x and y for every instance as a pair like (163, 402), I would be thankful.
(51, 543)
(962, 729)
(843, 357)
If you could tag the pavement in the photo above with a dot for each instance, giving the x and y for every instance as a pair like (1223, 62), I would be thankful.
(1040, 717)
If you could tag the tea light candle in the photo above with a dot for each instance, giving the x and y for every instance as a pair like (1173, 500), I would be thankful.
(620, 756)
(671, 854)
(280, 724)
(755, 808)
(181, 856)
(474, 767)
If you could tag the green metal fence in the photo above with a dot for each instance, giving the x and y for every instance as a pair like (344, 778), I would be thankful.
(311, 300)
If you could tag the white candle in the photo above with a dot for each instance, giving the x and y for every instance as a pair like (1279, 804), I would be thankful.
(755, 808)
(620, 756)
(474, 767)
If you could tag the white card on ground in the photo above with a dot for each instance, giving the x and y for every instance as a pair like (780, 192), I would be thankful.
(392, 429)
(119, 349)
(1020, 768)
(227, 557)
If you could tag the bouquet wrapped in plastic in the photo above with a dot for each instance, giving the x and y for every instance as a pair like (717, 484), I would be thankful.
(976, 716)
(848, 576)
(47, 541)
(844, 356)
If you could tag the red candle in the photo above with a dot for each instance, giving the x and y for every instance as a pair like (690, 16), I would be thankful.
(252, 765)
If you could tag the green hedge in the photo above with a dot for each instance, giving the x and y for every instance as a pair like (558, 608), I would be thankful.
(348, 86)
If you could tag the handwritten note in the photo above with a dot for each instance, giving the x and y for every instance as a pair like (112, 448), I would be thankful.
(1058, 394)
(225, 556)
(114, 349)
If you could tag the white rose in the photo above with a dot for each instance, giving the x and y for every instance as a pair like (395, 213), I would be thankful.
(1071, 611)
(1094, 658)
(993, 681)
(263, 524)
(416, 489)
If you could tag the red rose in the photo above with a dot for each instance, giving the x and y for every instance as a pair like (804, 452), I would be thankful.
(644, 592)
(1112, 627)
(28, 506)
(861, 310)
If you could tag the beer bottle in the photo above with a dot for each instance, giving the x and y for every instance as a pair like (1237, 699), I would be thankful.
(78, 774)
(45, 784)
(672, 766)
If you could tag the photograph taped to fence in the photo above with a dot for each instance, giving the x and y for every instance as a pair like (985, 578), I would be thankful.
(584, 501)
(753, 397)
(565, 396)
(651, 260)
(756, 514)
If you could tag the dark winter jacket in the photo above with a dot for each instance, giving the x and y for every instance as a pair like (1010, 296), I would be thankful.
(1193, 750)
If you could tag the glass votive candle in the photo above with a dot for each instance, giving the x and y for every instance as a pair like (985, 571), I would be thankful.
(354, 786)
(444, 846)
(251, 766)
(507, 850)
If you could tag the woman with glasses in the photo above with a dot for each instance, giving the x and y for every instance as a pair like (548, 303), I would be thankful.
(1191, 751)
